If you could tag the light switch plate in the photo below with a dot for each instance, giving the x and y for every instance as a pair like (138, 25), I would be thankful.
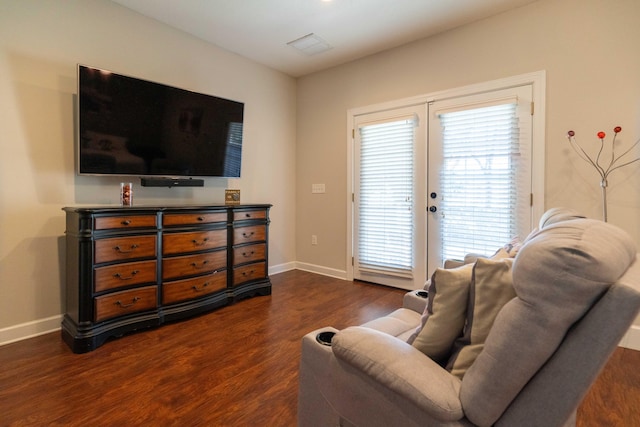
(317, 188)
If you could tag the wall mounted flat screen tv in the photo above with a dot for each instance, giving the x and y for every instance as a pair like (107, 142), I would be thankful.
(133, 127)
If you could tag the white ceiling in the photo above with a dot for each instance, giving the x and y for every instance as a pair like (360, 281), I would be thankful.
(261, 29)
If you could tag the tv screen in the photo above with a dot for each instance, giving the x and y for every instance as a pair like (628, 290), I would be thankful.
(129, 126)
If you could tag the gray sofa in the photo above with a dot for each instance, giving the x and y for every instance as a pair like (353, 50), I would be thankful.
(577, 291)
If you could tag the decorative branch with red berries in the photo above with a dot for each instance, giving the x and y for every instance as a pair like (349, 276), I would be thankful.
(613, 162)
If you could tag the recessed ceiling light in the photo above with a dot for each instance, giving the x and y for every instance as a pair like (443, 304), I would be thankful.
(310, 44)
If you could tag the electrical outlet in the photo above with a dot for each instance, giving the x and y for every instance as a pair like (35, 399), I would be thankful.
(314, 239)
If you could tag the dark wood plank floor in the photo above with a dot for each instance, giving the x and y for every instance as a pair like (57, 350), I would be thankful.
(236, 366)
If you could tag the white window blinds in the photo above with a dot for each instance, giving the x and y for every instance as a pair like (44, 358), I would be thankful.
(479, 179)
(385, 197)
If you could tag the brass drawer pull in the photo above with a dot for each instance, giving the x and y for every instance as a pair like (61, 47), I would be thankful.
(197, 243)
(125, 222)
(133, 301)
(131, 249)
(200, 218)
(133, 273)
(197, 289)
(248, 255)
(248, 273)
(248, 215)
(247, 235)
(194, 265)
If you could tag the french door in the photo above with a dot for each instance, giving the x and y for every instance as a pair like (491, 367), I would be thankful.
(445, 175)
(389, 215)
(480, 188)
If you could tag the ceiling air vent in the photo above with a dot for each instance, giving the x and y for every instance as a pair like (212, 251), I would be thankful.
(310, 44)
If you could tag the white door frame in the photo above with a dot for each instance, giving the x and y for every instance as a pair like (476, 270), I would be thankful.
(537, 79)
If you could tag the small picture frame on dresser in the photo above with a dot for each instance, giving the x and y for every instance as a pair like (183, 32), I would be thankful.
(232, 197)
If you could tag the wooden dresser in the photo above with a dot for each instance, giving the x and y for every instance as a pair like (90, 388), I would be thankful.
(130, 268)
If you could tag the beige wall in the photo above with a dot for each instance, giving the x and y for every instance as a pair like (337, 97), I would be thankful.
(590, 53)
(40, 44)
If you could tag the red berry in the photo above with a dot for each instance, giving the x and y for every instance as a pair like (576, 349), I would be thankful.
(617, 129)
(571, 133)
(601, 135)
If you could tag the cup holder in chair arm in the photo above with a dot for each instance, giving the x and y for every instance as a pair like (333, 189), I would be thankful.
(325, 337)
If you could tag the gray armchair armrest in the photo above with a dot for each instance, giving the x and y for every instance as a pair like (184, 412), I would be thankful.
(413, 301)
(402, 369)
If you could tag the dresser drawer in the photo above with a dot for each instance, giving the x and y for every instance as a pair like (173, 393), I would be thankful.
(182, 290)
(249, 272)
(193, 218)
(192, 265)
(125, 302)
(176, 243)
(249, 253)
(124, 248)
(254, 233)
(132, 221)
(126, 274)
(250, 214)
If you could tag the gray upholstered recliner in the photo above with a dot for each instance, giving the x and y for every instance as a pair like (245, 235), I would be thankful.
(577, 283)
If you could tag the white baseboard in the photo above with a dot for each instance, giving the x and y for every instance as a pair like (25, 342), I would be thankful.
(632, 338)
(281, 268)
(325, 271)
(30, 329)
